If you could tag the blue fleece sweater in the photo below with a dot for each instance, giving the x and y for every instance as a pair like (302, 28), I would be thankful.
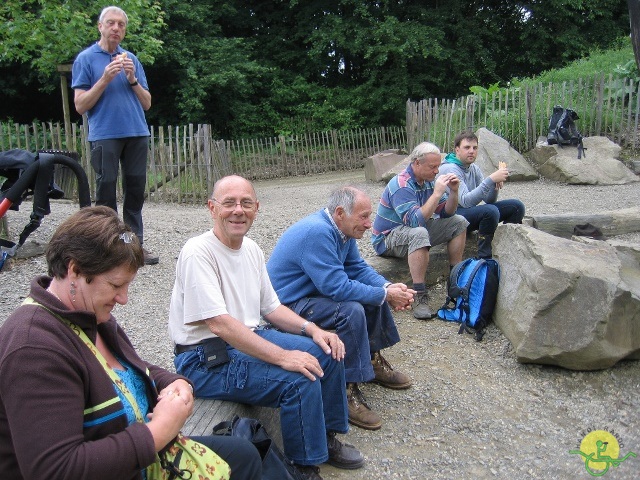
(312, 259)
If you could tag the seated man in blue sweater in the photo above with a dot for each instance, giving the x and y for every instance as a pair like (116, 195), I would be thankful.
(317, 271)
(475, 188)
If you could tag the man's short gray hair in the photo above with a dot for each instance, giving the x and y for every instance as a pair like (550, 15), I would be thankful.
(344, 197)
(423, 149)
(113, 8)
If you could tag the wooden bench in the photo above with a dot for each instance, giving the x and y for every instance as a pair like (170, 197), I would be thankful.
(208, 413)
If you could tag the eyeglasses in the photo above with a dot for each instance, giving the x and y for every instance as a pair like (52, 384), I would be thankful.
(247, 205)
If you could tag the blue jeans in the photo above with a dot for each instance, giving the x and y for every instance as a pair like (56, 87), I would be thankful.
(308, 410)
(106, 158)
(485, 217)
(362, 328)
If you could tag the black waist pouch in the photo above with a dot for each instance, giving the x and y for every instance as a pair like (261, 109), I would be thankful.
(215, 352)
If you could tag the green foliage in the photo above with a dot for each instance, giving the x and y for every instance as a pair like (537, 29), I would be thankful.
(250, 67)
(493, 89)
(598, 62)
(626, 84)
(47, 34)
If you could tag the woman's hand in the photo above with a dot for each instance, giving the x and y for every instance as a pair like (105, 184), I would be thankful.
(181, 388)
(175, 404)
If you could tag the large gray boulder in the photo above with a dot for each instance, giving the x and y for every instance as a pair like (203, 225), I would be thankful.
(600, 165)
(575, 304)
(377, 165)
(493, 149)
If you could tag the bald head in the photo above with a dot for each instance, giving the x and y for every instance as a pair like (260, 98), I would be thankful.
(230, 183)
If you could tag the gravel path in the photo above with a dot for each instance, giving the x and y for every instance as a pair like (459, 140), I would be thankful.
(473, 412)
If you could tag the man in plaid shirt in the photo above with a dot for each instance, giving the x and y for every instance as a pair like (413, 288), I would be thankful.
(416, 211)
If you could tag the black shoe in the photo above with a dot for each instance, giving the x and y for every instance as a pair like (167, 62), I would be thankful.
(343, 455)
(309, 472)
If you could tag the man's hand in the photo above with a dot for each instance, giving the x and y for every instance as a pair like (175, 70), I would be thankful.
(449, 180)
(399, 296)
(453, 184)
(303, 362)
(329, 342)
(129, 69)
(500, 176)
(114, 68)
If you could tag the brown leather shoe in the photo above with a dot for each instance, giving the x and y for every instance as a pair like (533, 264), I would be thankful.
(360, 414)
(387, 376)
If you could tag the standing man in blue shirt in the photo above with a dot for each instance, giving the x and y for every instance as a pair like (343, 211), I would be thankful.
(111, 88)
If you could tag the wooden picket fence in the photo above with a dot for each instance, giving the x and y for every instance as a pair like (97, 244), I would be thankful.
(185, 161)
(606, 106)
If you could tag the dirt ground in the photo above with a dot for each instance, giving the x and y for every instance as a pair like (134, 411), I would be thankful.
(473, 411)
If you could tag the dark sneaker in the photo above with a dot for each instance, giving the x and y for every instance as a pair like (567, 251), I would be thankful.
(421, 308)
(387, 376)
(309, 472)
(343, 455)
(360, 414)
(150, 258)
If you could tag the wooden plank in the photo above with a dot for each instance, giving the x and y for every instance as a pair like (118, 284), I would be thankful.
(208, 413)
(615, 222)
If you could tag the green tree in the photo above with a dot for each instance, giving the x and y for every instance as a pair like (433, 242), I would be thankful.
(251, 67)
(46, 34)
(206, 73)
(634, 17)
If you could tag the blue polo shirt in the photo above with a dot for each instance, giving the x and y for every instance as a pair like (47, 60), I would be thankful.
(118, 113)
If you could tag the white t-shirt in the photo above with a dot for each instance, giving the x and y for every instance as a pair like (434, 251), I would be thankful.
(213, 279)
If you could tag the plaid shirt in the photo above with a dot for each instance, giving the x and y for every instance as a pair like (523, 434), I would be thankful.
(400, 205)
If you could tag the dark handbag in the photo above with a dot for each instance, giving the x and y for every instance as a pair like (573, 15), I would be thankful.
(275, 466)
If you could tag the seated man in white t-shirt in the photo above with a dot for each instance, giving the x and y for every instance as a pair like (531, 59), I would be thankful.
(221, 291)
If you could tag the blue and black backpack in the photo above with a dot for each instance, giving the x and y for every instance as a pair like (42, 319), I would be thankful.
(472, 293)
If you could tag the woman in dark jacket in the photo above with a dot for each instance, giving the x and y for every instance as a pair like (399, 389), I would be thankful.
(60, 413)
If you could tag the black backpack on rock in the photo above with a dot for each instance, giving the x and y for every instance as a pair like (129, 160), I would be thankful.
(563, 130)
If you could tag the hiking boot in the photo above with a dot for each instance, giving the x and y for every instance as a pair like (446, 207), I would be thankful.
(386, 375)
(308, 472)
(150, 258)
(343, 455)
(360, 414)
(484, 245)
(421, 309)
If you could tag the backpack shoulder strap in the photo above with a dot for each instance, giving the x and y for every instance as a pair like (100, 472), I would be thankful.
(454, 275)
(464, 291)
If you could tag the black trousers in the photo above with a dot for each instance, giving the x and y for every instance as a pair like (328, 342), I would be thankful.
(239, 453)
